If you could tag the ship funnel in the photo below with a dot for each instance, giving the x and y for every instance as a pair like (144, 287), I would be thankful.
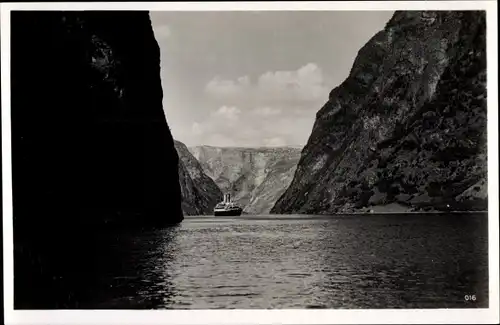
(227, 198)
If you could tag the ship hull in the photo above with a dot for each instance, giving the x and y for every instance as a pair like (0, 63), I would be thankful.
(228, 213)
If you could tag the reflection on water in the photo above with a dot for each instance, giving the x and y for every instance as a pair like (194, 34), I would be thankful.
(134, 271)
(374, 261)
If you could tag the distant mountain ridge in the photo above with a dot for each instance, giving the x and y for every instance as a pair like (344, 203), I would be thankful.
(255, 177)
(199, 192)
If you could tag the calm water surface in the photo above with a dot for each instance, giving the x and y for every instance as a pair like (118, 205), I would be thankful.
(360, 261)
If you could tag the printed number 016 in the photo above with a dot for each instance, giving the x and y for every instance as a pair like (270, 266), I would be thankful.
(470, 297)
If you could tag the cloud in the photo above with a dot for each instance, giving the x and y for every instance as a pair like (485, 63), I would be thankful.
(275, 109)
(275, 142)
(224, 120)
(197, 128)
(267, 111)
(228, 112)
(231, 126)
(306, 84)
(221, 140)
(220, 88)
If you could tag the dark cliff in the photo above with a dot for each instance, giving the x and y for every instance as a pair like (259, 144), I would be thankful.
(200, 194)
(91, 148)
(408, 125)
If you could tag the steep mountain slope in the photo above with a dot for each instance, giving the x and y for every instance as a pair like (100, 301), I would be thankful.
(255, 177)
(200, 194)
(89, 131)
(91, 149)
(408, 125)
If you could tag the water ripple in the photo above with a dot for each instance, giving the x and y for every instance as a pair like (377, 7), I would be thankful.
(296, 262)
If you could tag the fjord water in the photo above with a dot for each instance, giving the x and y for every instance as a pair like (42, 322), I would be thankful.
(351, 261)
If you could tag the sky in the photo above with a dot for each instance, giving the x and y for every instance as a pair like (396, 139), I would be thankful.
(254, 79)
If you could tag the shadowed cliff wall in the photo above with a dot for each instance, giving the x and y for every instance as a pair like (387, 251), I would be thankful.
(91, 148)
(407, 126)
(199, 192)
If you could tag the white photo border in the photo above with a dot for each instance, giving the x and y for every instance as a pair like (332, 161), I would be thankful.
(296, 316)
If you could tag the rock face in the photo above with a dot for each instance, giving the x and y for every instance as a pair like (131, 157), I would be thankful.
(256, 177)
(408, 126)
(91, 148)
(200, 194)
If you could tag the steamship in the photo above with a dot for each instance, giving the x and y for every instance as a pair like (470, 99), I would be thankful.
(227, 208)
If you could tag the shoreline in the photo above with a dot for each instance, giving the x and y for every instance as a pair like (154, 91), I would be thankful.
(414, 212)
(298, 216)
